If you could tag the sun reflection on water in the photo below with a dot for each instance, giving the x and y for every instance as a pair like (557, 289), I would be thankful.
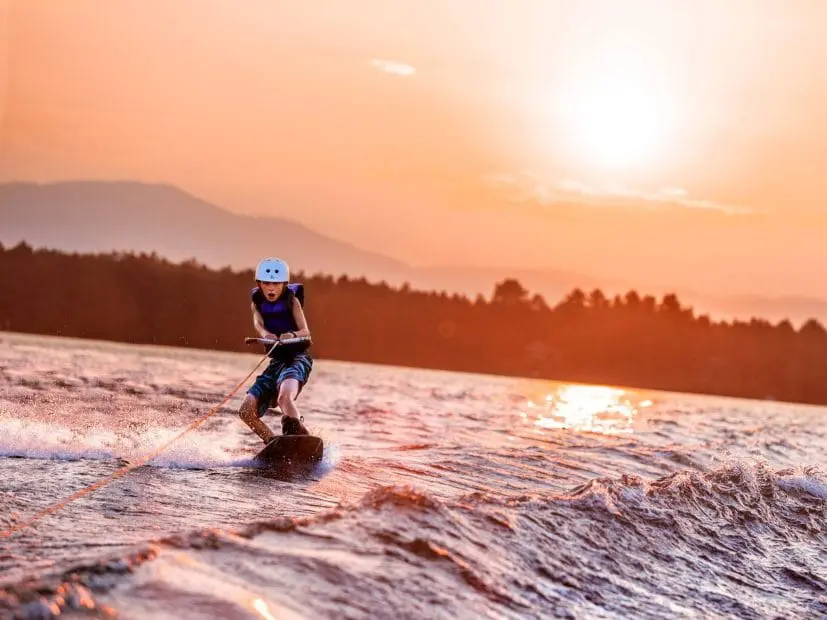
(596, 409)
(261, 607)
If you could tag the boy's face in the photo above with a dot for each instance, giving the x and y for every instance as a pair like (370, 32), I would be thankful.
(271, 290)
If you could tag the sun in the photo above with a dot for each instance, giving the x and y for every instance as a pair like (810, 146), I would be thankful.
(615, 115)
(617, 123)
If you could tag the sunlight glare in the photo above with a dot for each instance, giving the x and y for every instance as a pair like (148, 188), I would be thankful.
(261, 607)
(614, 113)
(595, 409)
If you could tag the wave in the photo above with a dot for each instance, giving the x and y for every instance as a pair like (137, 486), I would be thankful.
(741, 540)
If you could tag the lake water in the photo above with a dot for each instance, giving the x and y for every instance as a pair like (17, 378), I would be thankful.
(441, 495)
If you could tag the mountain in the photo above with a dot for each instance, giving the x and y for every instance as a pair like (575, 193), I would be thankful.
(93, 216)
(90, 216)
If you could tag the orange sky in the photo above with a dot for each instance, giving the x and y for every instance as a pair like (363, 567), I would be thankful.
(676, 142)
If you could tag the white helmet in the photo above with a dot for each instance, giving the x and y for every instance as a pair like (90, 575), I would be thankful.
(272, 270)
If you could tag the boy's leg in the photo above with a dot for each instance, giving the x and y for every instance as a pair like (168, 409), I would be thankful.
(288, 391)
(249, 414)
(258, 396)
(290, 422)
(291, 380)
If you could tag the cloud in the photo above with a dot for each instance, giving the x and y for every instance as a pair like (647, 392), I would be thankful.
(393, 67)
(524, 187)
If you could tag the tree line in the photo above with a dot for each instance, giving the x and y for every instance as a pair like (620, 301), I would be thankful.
(632, 339)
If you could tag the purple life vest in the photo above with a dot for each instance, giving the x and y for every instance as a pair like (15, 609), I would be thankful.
(278, 315)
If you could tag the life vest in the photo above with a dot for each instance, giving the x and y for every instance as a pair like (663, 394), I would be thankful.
(278, 317)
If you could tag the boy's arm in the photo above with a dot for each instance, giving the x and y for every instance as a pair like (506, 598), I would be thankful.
(301, 322)
(258, 324)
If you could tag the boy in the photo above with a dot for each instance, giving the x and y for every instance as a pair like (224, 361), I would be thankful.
(278, 314)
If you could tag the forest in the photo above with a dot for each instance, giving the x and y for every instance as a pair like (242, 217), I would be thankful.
(628, 340)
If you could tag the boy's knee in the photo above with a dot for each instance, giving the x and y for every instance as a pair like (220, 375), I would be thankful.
(285, 396)
(288, 390)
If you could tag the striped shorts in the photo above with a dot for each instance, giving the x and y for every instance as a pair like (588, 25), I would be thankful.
(267, 384)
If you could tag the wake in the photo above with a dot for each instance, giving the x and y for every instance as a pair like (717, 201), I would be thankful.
(48, 441)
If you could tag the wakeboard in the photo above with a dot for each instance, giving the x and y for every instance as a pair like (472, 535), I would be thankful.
(295, 450)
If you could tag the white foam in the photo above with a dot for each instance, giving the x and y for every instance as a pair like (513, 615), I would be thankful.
(330, 459)
(806, 484)
(30, 439)
(192, 451)
(35, 439)
(39, 440)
